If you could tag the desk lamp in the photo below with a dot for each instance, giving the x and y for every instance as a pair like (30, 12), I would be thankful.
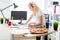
(15, 6)
(7, 20)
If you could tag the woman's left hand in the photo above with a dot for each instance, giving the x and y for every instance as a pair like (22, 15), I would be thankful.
(32, 25)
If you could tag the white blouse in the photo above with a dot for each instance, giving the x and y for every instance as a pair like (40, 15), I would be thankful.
(37, 15)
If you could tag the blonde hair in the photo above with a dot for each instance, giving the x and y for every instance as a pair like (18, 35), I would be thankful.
(36, 8)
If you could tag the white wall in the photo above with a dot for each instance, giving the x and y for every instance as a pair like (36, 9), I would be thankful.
(49, 7)
(4, 30)
(3, 4)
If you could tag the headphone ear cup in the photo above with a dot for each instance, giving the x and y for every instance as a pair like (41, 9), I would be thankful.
(32, 5)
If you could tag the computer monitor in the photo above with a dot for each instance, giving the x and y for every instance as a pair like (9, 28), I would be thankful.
(17, 15)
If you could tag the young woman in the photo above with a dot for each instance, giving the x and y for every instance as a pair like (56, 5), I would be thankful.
(37, 14)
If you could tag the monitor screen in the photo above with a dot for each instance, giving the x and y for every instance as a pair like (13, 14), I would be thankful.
(17, 15)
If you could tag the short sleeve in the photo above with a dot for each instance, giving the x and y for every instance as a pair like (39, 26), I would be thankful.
(40, 13)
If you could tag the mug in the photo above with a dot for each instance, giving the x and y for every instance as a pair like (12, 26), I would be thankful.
(9, 23)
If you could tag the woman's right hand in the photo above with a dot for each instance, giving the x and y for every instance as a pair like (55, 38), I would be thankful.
(26, 22)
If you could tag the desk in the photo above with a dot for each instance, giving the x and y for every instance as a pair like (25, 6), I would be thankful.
(26, 33)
